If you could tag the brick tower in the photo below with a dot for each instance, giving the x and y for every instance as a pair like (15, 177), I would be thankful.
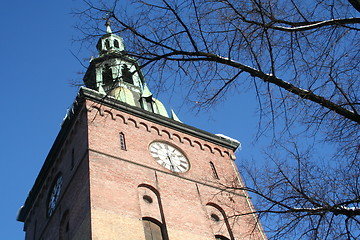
(121, 168)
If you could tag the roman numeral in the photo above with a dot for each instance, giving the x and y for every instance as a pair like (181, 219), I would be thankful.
(153, 150)
(183, 161)
(183, 167)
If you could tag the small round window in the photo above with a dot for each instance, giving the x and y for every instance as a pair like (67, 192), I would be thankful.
(215, 217)
(147, 199)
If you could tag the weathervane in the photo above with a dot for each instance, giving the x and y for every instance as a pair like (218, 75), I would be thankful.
(108, 22)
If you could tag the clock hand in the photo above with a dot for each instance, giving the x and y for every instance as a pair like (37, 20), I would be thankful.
(171, 163)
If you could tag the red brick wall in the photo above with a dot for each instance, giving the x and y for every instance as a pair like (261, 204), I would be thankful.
(103, 192)
(74, 196)
(115, 176)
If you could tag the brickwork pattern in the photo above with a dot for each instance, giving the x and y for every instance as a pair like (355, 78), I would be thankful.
(72, 162)
(104, 186)
(187, 199)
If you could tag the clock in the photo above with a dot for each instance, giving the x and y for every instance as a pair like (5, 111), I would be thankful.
(54, 195)
(169, 157)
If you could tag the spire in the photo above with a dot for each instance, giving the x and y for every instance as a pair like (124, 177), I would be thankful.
(108, 26)
(146, 92)
(174, 116)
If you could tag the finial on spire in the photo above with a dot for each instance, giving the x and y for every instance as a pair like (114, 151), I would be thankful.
(107, 24)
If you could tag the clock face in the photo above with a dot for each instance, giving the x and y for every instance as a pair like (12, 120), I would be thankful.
(54, 195)
(169, 157)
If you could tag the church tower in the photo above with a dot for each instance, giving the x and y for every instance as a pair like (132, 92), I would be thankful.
(122, 168)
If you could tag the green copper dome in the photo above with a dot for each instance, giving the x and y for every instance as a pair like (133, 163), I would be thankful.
(115, 74)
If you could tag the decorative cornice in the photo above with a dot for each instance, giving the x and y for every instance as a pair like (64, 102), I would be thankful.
(156, 118)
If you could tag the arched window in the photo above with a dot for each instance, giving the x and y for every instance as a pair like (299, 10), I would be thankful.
(107, 75)
(151, 212)
(219, 222)
(107, 44)
(220, 237)
(64, 227)
(34, 233)
(126, 74)
(72, 158)
(153, 229)
(215, 175)
(122, 141)
(148, 101)
(116, 43)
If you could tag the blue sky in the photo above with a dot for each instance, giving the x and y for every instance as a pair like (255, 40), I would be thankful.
(37, 69)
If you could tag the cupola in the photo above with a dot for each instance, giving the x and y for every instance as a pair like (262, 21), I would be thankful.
(110, 42)
(117, 75)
